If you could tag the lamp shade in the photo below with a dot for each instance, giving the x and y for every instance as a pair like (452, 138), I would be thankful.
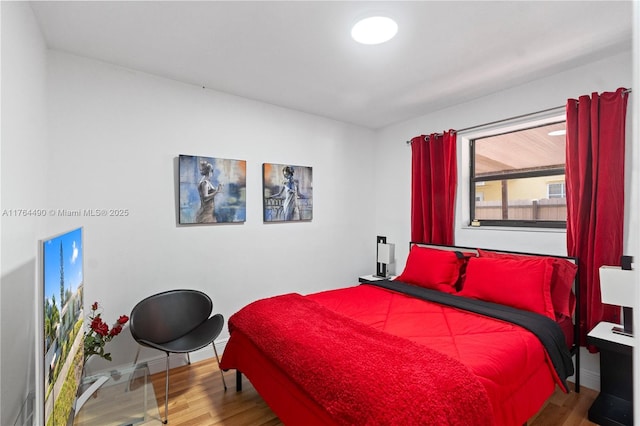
(385, 253)
(617, 286)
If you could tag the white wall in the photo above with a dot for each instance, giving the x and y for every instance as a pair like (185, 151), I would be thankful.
(115, 136)
(23, 185)
(393, 180)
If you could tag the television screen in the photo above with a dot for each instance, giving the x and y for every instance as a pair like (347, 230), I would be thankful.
(61, 318)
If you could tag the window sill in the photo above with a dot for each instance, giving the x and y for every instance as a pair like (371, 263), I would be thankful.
(515, 229)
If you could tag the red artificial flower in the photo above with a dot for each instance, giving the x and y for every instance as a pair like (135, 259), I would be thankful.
(99, 327)
(103, 329)
(99, 334)
(96, 323)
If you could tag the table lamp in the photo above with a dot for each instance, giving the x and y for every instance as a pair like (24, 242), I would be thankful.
(384, 256)
(617, 287)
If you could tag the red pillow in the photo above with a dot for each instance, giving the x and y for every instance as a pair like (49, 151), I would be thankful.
(564, 272)
(431, 268)
(520, 283)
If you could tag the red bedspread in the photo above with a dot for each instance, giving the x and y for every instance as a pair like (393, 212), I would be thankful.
(358, 374)
(508, 360)
(315, 352)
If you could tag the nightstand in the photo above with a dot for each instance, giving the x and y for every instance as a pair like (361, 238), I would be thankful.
(373, 278)
(614, 405)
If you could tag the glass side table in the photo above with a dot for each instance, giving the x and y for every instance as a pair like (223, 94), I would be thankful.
(118, 397)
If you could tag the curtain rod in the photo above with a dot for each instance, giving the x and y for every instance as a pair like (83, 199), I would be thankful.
(509, 119)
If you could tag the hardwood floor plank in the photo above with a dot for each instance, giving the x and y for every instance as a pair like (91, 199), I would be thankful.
(197, 398)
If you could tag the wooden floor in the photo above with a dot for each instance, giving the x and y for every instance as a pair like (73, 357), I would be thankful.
(197, 398)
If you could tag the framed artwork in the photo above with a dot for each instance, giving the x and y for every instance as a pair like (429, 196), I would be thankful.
(60, 349)
(287, 192)
(212, 190)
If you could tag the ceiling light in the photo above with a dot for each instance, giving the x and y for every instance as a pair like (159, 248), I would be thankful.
(374, 30)
(557, 133)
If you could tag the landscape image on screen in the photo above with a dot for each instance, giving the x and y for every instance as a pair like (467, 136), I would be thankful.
(63, 318)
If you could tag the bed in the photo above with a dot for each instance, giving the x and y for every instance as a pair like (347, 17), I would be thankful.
(451, 340)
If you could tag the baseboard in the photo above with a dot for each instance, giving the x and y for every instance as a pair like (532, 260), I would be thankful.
(590, 379)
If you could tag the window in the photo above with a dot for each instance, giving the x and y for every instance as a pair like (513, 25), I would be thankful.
(517, 178)
(556, 190)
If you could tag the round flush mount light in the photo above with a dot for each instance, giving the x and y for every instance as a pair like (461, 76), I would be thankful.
(374, 30)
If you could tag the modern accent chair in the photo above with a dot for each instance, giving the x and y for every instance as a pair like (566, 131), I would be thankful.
(176, 321)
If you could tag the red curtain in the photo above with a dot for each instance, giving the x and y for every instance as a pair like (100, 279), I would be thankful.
(433, 187)
(595, 195)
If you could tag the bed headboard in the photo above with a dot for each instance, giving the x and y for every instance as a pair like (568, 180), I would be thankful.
(575, 347)
(475, 250)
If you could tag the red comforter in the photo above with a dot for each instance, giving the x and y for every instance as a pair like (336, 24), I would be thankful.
(351, 370)
(479, 370)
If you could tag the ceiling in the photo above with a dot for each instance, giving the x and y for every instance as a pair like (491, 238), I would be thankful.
(299, 54)
(522, 150)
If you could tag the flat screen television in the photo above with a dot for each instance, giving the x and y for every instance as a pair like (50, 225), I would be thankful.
(59, 331)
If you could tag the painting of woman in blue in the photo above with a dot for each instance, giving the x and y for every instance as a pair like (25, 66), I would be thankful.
(212, 190)
(288, 199)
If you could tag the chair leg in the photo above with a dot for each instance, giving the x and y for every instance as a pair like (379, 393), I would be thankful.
(166, 393)
(188, 359)
(218, 359)
(135, 361)
(135, 367)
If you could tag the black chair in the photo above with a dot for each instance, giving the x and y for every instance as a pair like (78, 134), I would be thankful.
(176, 321)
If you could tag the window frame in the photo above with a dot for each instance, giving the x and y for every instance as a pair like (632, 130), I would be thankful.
(523, 125)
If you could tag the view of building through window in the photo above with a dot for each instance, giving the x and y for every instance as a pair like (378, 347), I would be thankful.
(517, 178)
